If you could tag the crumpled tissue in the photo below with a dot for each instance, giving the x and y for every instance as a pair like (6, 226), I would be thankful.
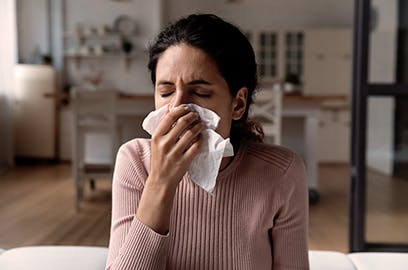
(204, 167)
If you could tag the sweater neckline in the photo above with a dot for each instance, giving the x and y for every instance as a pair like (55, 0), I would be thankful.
(236, 159)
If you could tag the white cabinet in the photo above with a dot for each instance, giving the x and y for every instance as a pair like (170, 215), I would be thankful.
(35, 114)
(323, 59)
(328, 62)
(334, 136)
(328, 71)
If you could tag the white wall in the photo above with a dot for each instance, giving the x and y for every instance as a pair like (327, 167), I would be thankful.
(268, 14)
(382, 69)
(380, 134)
(34, 32)
(32, 28)
(147, 14)
(383, 43)
(8, 58)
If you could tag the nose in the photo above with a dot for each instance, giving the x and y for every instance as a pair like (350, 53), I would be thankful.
(181, 97)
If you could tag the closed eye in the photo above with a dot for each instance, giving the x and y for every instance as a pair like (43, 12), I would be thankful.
(166, 94)
(203, 95)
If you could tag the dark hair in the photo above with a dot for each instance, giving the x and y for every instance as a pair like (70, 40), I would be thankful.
(232, 53)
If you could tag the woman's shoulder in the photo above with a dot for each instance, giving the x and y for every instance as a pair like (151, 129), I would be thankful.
(282, 165)
(278, 156)
(132, 163)
(136, 148)
(134, 153)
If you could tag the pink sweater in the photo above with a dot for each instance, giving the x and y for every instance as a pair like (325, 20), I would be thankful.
(256, 219)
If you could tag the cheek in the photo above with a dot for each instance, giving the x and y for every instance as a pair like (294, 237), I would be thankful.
(224, 126)
(160, 102)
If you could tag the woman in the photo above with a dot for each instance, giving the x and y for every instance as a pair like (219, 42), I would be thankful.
(257, 216)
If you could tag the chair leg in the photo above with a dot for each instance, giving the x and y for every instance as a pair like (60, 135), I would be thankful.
(92, 184)
(77, 194)
(79, 187)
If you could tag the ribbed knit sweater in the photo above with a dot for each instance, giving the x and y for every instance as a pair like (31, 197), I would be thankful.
(256, 217)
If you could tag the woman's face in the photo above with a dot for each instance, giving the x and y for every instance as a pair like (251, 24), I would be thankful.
(185, 74)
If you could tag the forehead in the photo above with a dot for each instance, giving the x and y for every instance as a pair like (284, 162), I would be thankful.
(186, 62)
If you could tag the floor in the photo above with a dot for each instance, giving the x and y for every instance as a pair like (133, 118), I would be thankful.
(37, 208)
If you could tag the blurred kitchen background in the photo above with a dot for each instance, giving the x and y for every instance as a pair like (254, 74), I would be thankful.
(74, 86)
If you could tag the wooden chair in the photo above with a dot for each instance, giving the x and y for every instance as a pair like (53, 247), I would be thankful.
(267, 110)
(94, 112)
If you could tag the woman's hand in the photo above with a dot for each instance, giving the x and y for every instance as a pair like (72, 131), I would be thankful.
(174, 145)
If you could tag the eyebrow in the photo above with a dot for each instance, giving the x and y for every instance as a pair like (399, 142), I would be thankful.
(199, 81)
(193, 82)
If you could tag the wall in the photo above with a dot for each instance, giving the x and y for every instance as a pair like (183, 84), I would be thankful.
(33, 28)
(380, 134)
(382, 69)
(34, 32)
(383, 42)
(8, 58)
(267, 14)
(6, 135)
(147, 14)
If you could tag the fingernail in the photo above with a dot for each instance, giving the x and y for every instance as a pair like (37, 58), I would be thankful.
(185, 107)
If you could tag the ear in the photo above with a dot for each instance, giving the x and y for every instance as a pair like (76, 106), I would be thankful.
(239, 103)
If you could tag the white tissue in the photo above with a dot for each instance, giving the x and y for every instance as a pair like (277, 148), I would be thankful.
(204, 167)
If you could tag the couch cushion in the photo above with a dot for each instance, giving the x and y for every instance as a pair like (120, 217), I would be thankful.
(379, 260)
(329, 260)
(54, 257)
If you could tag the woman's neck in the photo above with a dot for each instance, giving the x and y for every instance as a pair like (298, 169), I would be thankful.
(225, 162)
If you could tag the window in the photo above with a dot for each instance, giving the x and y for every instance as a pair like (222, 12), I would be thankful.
(294, 53)
(268, 54)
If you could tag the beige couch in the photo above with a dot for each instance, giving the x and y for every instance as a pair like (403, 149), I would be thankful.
(94, 258)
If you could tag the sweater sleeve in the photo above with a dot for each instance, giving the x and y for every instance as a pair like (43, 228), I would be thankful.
(290, 230)
(133, 245)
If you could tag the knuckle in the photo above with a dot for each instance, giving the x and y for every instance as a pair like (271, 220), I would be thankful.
(160, 142)
(198, 127)
(171, 117)
(155, 139)
(190, 133)
(164, 144)
(185, 121)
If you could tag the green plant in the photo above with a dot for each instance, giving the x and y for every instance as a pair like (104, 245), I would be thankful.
(46, 59)
(292, 78)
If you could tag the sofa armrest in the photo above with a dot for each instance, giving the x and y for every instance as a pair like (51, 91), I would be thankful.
(379, 260)
(325, 260)
(54, 257)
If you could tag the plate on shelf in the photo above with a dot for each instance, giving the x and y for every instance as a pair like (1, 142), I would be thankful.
(124, 25)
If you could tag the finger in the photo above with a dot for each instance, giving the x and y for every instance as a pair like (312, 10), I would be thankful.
(188, 138)
(170, 118)
(184, 123)
(193, 150)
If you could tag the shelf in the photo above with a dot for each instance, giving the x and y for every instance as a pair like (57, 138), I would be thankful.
(128, 58)
(73, 35)
(103, 56)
